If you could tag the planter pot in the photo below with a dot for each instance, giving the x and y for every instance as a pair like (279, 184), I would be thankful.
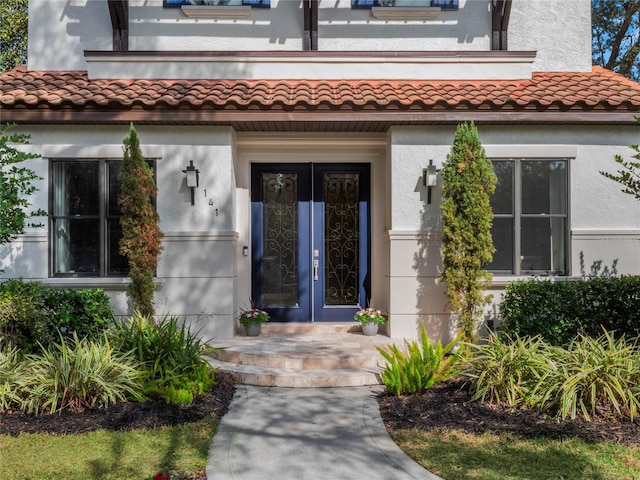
(253, 329)
(370, 328)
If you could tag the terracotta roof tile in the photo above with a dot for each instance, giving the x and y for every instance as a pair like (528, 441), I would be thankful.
(598, 88)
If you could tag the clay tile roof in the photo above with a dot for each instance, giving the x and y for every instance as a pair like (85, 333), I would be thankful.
(599, 89)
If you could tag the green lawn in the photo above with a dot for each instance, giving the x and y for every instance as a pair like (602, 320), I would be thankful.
(457, 455)
(107, 455)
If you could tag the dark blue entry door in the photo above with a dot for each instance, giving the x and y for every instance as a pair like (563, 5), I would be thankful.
(310, 240)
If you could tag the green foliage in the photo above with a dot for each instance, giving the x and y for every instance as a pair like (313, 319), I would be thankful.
(13, 33)
(589, 376)
(86, 312)
(558, 311)
(178, 396)
(77, 374)
(594, 374)
(508, 371)
(141, 240)
(419, 366)
(32, 314)
(11, 374)
(23, 314)
(615, 41)
(170, 353)
(16, 185)
(629, 175)
(467, 244)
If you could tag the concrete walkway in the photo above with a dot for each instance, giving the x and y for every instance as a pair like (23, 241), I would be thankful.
(307, 434)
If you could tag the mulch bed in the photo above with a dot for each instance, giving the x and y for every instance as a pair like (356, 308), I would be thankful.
(447, 406)
(125, 415)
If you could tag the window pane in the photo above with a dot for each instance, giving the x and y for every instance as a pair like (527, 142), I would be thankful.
(543, 245)
(116, 264)
(76, 246)
(75, 189)
(502, 233)
(113, 172)
(341, 194)
(544, 186)
(280, 239)
(502, 198)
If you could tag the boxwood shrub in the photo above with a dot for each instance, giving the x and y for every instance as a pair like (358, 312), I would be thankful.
(32, 314)
(560, 310)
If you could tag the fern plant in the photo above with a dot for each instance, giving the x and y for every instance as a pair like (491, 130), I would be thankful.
(419, 367)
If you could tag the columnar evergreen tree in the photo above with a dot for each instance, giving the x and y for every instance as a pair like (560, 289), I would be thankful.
(141, 240)
(15, 186)
(468, 182)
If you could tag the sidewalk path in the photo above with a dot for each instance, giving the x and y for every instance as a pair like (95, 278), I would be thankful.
(307, 434)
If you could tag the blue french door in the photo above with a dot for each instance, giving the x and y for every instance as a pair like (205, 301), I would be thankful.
(310, 240)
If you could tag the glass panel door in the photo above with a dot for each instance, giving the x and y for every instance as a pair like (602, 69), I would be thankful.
(310, 240)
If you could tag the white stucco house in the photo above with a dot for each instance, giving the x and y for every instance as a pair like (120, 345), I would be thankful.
(310, 124)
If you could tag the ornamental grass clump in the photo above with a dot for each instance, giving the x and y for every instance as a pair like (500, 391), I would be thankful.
(419, 367)
(509, 370)
(590, 377)
(77, 374)
(595, 376)
(11, 376)
(170, 355)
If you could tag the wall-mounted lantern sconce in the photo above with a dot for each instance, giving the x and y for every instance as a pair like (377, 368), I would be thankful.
(430, 178)
(193, 180)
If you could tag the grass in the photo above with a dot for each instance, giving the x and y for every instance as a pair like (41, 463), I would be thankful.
(457, 455)
(108, 455)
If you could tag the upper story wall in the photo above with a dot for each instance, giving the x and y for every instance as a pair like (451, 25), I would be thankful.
(61, 30)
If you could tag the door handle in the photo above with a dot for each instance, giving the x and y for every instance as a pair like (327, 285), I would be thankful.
(316, 264)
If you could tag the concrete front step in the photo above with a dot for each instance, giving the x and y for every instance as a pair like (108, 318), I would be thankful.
(310, 359)
(278, 377)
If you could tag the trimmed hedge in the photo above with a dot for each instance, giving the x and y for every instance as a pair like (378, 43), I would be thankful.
(31, 313)
(559, 311)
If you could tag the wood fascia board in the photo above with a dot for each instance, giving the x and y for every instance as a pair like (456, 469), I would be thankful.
(159, 116)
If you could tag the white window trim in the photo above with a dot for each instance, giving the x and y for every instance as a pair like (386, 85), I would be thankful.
(533, 152)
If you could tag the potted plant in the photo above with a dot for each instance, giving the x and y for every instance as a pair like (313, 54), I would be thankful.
(371, 319)
(252, 320)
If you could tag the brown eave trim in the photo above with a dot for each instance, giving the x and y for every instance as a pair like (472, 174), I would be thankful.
(312, 53)
(171, 117)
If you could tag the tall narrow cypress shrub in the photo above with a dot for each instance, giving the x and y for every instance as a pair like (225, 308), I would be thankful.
(141, 235)
(467, 245)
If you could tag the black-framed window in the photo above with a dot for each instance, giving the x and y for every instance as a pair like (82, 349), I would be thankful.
(85, 218)
(443, 4)
(247, 3)
(530, 223)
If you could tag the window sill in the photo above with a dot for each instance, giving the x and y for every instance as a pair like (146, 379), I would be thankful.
(216, 11)
(504, 280)
(105, 283)
(405, 13)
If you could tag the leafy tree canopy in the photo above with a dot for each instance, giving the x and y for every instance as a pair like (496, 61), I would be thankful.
(13, 33)
(616, 36)
(16, 185)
